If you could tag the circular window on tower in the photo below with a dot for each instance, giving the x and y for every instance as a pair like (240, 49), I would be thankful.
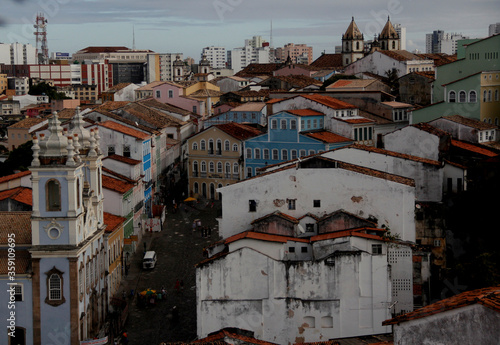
(54, 233)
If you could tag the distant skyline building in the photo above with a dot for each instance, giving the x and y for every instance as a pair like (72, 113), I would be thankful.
(494, 29)
(299, 53)
(256, 50)
(440, 42)
(216, 56)
(401, 30)
(160, 66)
(17, 54)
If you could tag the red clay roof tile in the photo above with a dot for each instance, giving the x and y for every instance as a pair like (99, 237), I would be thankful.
(489, 297)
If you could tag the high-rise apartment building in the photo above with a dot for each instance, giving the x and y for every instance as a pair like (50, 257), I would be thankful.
(160, 66)
(216, 56)
(17, 54)
(402, 35)
(494, 29)
(441, 42)
(239, 58)
(299, 53)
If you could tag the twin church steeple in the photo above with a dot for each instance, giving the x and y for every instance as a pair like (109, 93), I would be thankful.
(353, 45)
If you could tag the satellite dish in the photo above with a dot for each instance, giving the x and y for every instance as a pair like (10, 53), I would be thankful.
(301, 229)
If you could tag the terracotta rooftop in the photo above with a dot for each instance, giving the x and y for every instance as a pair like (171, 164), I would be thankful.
(112, 222)
(14, 176)
(467, 121)
(115, 126)
(263, 237)
(277, 214)
(23, 261)
(28, 122)
(304, 112)
(256, 69)
(329, 101)
(327, 137)
(19, 194)
(150, 86)
(206, 93)
(152, 116)
(474, 148)
(116, 185)
(430, 129)
(488, 297)
(328, 60)
(351, 83)
(401, 55)
(117, 175)
(296, 81)
(153, 103)
(118, 87)
(359, 232)
(250, 106)
(112, 105)
(440, 59)
(18, 223)
(121, 119)
(354, 121)
(238, 130)
(123, 159)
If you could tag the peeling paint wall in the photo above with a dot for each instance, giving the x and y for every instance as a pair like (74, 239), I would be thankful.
(283, 302)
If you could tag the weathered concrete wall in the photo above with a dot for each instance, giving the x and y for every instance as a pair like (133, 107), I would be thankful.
(286, 302)
(363, 195)
(428, 178)
(413, 141)
(473, 324)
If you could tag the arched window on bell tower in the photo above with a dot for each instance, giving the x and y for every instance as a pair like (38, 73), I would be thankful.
(53, 195)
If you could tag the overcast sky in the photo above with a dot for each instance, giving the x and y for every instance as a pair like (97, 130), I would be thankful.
(186, 26)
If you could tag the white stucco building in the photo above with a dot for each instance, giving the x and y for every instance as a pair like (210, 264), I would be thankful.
(216, 56)
(331, 185)
(17, 54)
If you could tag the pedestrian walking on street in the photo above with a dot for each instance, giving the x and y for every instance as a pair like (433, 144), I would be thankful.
(194, 225)
(182, 285)
(209, 234)
(177, 285)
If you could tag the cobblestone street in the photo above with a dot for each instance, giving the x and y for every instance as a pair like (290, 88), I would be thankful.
(179, 249)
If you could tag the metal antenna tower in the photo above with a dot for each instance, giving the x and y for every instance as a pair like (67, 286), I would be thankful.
(42, 50)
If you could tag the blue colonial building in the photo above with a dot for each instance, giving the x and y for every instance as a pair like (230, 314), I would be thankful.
(291, 134)
(247, 113)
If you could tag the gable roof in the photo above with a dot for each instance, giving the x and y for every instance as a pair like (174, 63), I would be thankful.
(327, 137)
(304, 112)
(488, 297)
(14, 176)
(400, 55)
(118, 87)
(126, 160)
(467, 121)
(258, 69)
(112, 222)
(19, 194)
(28, 122)
(116, 185)
(329, 101)
(277, 214)
(474, 148)
(123, 129)
(328, 61)
(250, 106)
(351, 83)
(238, 130)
